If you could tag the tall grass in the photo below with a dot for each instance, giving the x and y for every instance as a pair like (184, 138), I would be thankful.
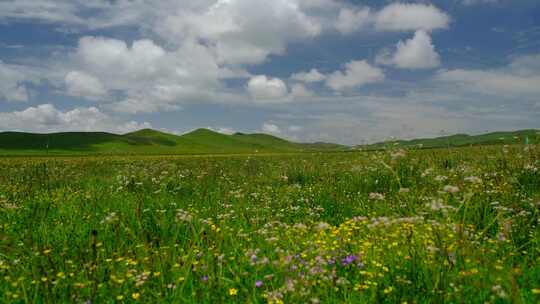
(417, 226)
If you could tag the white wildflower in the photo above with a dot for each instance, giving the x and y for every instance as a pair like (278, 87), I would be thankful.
(450, 189)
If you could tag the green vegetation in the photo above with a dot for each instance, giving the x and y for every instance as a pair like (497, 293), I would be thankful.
(395, 226)
(462, 140)
(147, 141)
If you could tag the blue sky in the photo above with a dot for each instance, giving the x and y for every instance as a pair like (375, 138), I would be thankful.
(308, 70)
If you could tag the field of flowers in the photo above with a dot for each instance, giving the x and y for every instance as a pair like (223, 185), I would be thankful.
(430, 226)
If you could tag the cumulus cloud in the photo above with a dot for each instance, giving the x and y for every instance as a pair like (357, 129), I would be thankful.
(47, 118)
(194, 47)
(411, 17)
(392, 17)
(151, 78)
(263, 88)
(356, 74)
(12, 83)
(351, 20)
(312, 76)
(141, 59)
(84, 85)
(415, 53)
(241, 31)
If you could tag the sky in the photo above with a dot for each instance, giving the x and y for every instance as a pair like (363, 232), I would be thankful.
(340, 71)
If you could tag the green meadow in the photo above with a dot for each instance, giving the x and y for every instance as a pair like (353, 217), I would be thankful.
(457, 225)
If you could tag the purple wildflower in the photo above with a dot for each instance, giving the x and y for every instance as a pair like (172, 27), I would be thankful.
(348, 260)
(204, 278)
(258, 284)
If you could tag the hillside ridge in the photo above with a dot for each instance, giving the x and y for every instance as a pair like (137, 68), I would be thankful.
(531, 136)
(149, 141)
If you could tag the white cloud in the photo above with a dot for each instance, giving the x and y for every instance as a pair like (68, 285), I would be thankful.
(267, 89)
(411, 17)
(12, 87)
(46, 118)
(415, 53)
(294, 128)
(518, 80)
(241, 31)
(351, 20)
(356, 74)
(312, 76)
(271, 128)
(84, 85)
(134, 106)
(151, 78)
(492, 82)
(226, 130)
(300, 91)
(48, 10)
(100, 54)
(201, 43)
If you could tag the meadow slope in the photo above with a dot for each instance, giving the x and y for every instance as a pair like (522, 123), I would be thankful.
(462, 140)
(200, 141)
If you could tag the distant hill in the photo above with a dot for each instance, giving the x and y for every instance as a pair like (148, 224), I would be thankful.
(461, 140)
(147, 141)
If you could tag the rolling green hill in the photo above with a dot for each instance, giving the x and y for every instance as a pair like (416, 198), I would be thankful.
(203, 141)
(200, 141)
(461, 140)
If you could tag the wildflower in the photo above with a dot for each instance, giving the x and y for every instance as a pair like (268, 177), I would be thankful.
(348, 260)
(536, 291)
(499, 291)
(233, 292)
(440, 178)
(183, 216)
(204, 279)
(473, 179)
(398, 154)
(376, 196)
(450, 189)
(258, 284)
(404, 190)
(135, 295)
(110, 218)
(120, 297)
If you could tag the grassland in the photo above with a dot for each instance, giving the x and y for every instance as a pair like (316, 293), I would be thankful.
(397, 226)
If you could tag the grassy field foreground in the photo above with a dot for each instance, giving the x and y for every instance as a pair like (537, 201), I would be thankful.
(431, 226)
